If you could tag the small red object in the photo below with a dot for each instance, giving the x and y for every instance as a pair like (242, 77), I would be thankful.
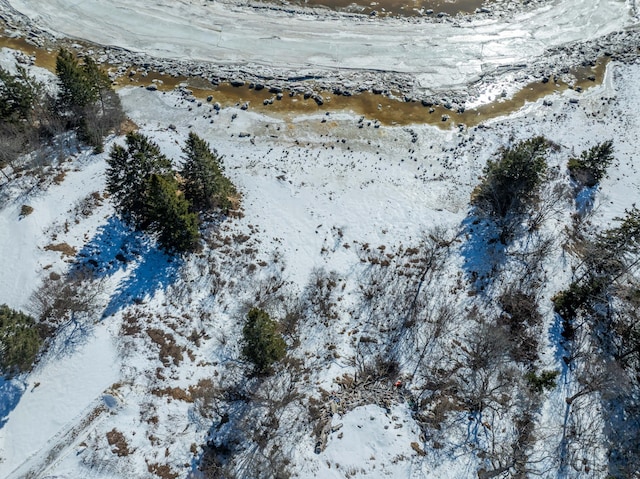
(398, 384)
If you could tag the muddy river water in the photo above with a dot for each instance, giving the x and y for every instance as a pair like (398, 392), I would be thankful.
(374, 107)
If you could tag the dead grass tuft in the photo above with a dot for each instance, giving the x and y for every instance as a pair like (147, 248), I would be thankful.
(59, 178)
(170, 351)
(26, 210)
(130, 325)
(416, 447)
(63, 248)
(128, 126)
(162, 470)
(118, 443)
(175, 393)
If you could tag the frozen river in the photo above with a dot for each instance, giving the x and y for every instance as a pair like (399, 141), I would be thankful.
(439, 55)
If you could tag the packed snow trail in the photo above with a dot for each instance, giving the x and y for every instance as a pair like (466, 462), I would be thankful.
(60, 397)
(441, 55)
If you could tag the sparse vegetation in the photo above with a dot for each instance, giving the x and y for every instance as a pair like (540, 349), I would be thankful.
(403, 322)
(31, 117)
(522, 320)
(601, 341)
(27, 120)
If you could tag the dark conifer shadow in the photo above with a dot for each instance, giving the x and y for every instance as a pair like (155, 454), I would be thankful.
(153, 271)
(117, 248)
(482, 251)
(113, 247)
(11, 390)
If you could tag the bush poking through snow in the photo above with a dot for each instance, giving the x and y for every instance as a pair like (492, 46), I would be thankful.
(19, 341)
(262, 343)
(510, 182)
(522, 320)
(546, 380)
(592, 165)
(26, 210)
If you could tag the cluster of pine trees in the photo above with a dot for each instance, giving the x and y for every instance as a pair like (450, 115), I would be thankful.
(19, 341)
(153, 197)
(31, 116)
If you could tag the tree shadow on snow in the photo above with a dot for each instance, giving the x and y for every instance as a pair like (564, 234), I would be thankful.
(11, 390)
(482, 251)
(154, 271)
(118, 248)
(112, 249)
(69, 337)
(585, 199)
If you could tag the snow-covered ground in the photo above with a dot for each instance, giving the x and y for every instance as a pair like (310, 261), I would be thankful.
(315, 189)
(299, 195)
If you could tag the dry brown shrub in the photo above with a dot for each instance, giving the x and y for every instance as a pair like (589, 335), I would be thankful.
(63, 248)
(118, 443)
(130, 325)
(162, 470)
(59, 178)
(174, 392)
(170, 351)
(128, 126)
(26, 210)
(201, 390)
(416, 447)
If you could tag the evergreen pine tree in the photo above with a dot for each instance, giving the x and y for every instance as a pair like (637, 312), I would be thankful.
(105, 112)
(86, 98)
(510, 183)
(76, 91)
(19, 341)
(205, 185)
(128, 174)
(262, 344)
(592, 165)
(18, 93)
(169, 216)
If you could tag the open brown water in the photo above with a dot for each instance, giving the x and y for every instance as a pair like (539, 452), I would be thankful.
(386, 110)
(44, 58)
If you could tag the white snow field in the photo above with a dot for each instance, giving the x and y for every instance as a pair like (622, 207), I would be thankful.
(58, 428)
(315, 188)
(441, 56)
